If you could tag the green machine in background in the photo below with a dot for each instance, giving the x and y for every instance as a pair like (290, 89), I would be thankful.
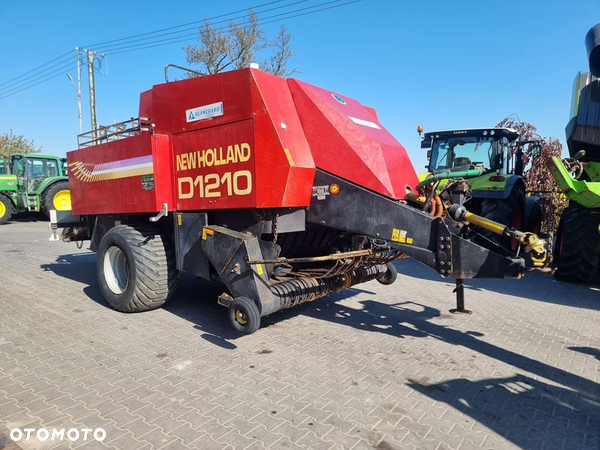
(33, 183)
(496, 189)
(577, 247)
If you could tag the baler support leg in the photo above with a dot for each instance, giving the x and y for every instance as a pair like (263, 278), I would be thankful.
(460, 298)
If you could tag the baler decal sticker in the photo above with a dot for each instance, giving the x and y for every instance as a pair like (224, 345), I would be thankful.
(364, 123)
(124, 168)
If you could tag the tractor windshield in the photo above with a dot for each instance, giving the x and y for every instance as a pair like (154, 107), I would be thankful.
(464, 152)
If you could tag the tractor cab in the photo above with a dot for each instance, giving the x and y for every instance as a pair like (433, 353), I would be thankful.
(486, 149)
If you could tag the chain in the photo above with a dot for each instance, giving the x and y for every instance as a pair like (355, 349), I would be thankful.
(274, 228)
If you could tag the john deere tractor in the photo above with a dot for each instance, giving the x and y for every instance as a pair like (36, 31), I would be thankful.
(33, 183)
(577, 247)
(475, 167)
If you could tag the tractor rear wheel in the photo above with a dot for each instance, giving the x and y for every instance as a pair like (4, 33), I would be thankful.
(57, 196)
(508, 211)
(6, 209)
(577, 248)
(136, 268)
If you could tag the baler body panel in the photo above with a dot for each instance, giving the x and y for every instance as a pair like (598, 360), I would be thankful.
(347, 140)
(132, 175)
(215, 167)
(284, 162)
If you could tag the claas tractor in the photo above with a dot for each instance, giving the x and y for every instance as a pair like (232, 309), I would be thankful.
(577, 247)
(491, 160)
(33, 183)
(283, 190)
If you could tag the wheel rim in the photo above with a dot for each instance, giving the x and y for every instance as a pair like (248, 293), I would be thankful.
(241, 316)
(116, 270)
(517, 222)
(62, 200)
(2, 210)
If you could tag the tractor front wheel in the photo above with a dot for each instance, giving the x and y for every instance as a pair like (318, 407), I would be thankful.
(577, 248)
(136, 268)
(6, 209)
(509, 212)
(57, 196)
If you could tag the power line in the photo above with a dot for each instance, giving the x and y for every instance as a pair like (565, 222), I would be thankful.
(111, 47)
(37, 68)
(126, 48)
(8, 94)
(263, 21)
(185, 24)
(38, 75)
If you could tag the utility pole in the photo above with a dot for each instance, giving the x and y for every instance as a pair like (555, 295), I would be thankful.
(77, 87)
(90, 58)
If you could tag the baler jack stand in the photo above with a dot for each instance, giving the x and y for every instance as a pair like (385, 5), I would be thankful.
(460, 298)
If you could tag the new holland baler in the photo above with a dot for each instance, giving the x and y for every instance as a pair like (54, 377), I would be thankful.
(285, 191)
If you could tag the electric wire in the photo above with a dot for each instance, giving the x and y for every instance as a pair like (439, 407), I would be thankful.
(154, 35)
(39, 67)
(177, 39)
(126, 48)
(57, 68)
(260, 22)
(35, 71)
(185, 24)
(8, 94)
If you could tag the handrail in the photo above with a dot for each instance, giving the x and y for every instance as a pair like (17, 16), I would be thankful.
(182, 68)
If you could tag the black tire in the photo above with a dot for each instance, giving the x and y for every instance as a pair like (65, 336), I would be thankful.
(244, 315)
(136, 268)
(508, 211)
(390, 276)
(49, 194)
(577, 249)
(535, 221)
(6, 209)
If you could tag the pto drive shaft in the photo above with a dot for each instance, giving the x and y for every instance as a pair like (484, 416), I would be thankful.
(532, 244)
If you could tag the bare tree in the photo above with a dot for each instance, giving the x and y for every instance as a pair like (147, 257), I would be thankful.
(11, 144)
(537, 176)
(238, 46)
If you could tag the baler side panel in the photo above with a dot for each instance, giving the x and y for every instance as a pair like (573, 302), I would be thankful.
(284, 163)
(173, 102)
(214, 168)
(117, 177)
(347, 140)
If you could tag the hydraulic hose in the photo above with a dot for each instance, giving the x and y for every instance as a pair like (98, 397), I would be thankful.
(471, 173)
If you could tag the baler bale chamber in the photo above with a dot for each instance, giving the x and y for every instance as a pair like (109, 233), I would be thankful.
(285, 191)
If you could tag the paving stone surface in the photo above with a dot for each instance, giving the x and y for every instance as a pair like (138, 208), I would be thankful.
(383, 367)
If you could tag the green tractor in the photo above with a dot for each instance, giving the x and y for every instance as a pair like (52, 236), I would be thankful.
(577, 247)
(33, 183)
(494, 185)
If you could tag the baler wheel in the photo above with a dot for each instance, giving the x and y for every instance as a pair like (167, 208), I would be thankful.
(136, 268)
(6, 209)
(577, 249)
(244, 315)
(390, 276)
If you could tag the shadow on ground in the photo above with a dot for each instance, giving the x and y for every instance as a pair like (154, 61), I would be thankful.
(534, 286)
(525, 411)
(500, 404)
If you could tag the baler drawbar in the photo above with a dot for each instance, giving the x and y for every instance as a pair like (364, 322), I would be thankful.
(284, 191)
